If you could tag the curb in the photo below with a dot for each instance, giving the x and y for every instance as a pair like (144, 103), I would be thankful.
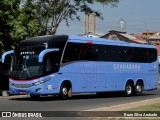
(4, 93)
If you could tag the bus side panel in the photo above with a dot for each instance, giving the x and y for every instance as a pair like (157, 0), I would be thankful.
(98, 76)
(151, 81)
(83, 76)
(92, 77)
(149, 76)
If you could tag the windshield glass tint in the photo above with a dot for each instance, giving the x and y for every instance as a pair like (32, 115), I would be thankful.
(25, 64)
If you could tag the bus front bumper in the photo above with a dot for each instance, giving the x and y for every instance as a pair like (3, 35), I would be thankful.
(36, 90)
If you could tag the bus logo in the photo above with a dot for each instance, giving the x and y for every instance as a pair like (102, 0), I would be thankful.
(6, 114)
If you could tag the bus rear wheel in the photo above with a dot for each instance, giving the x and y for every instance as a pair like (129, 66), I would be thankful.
(64, 92)
(129, 89)
(138, 89)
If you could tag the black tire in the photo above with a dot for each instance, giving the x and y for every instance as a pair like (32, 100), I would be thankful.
(128, 89)
(138, 89)
(64, 92)
(35, 97)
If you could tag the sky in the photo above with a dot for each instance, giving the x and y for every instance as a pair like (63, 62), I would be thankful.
(139, 15)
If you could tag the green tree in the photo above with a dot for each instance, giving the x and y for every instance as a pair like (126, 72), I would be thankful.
(21, 19)
(52, 12)
(26, 24)
(8, 9)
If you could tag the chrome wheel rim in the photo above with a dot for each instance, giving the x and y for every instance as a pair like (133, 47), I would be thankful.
(64, 91)
(138, 88)
(129, 89)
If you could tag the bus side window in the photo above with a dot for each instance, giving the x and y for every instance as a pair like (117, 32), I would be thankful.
(71, 52)
(152, 55)
(127, 54)
(89, 53)
(51, 64)
(48, 67)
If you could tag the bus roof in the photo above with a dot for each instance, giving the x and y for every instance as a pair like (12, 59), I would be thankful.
(51, 39)
(40, 40)
(106, 41)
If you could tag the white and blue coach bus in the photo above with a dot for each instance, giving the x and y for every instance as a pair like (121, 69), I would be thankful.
(63, 65)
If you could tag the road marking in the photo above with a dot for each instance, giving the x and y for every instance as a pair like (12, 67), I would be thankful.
(127, 105)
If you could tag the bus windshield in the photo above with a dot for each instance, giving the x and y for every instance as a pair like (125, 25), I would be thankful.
(25, 63)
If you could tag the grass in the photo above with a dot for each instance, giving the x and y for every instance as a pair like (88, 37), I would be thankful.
(148, 108)
(152, 107)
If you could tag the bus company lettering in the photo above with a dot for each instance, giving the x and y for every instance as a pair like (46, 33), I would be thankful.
(126, 67)
(27, 53)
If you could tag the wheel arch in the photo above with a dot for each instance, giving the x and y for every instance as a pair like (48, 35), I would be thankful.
(128, 80)
(68, 83)
(131, 81)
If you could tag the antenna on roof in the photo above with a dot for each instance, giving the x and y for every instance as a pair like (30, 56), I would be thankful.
(122, 25)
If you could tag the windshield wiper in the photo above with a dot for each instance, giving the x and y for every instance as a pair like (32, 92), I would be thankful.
(25, 68)
(21, 70)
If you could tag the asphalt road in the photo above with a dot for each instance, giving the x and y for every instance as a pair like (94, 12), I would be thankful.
(76, 103)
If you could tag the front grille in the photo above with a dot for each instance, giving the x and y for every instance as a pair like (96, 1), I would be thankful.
(22, 85)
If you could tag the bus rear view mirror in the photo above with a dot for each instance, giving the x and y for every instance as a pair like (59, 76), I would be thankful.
(42, 54)
(5, 54)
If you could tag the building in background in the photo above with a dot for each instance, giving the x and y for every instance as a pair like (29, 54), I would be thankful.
(90, 23)
(123, 36)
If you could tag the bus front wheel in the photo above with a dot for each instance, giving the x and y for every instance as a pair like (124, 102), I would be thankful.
(129, 89)
(64, 92)
(138, 89)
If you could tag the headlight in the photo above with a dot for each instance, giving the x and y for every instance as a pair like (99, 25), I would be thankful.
(40, 82)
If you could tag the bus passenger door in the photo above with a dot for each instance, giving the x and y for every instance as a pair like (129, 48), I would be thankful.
(50, 67)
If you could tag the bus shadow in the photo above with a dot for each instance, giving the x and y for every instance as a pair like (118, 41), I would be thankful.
(79, 96)
(106, 95)
(42, 98)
